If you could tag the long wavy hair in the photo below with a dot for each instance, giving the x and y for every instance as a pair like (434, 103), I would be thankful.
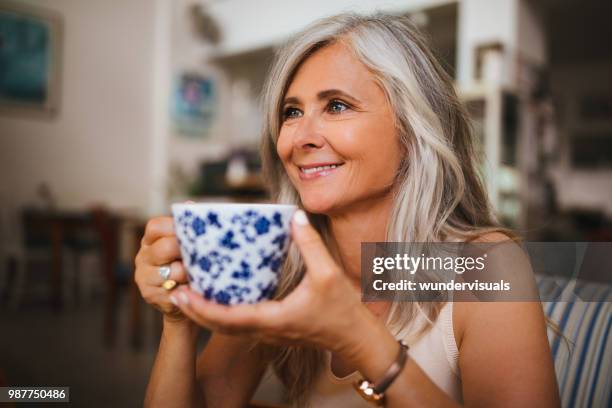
(439, 194)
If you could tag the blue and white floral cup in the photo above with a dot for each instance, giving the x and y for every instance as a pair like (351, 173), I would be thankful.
(233, 253)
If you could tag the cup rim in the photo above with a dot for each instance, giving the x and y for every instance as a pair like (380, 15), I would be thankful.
(220, 204)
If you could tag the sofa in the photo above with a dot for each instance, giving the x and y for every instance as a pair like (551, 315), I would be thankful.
(580, 315)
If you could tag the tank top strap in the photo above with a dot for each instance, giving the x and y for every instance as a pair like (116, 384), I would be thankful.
(448, 336)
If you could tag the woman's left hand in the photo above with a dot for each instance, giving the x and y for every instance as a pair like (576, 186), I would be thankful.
(324, 310)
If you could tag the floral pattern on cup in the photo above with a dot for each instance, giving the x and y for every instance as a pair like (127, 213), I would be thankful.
(233, 252)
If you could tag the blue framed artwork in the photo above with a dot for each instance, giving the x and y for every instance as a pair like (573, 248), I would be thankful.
(194, 104)
(29, 59)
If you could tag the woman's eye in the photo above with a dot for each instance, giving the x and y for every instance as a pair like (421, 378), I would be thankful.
(337, 107)
(291, 113)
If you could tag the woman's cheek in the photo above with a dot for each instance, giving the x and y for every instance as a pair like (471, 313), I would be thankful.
(283, 146)
(281, 151)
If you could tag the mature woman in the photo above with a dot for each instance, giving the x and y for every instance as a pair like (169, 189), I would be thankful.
(364, 132)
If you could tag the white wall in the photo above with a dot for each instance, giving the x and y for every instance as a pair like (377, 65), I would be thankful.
(189, 53)
(97, 148)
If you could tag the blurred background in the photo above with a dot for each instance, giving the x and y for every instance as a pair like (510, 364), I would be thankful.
(111, 110)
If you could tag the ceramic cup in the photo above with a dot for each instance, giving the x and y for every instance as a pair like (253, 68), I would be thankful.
(233, 253)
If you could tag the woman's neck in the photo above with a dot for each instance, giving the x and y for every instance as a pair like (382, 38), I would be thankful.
(365, 223)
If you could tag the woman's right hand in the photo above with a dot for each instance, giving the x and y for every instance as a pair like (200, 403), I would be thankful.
(159, 247)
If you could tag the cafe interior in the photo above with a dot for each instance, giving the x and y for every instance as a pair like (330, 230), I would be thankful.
(112, 110)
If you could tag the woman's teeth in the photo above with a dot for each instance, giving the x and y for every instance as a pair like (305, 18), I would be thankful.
(316, 169)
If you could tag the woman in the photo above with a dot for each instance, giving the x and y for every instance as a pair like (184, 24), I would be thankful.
(363, 130)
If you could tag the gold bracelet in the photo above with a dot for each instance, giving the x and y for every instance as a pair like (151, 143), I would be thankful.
(375, 393)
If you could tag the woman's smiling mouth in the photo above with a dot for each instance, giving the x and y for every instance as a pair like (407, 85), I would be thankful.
(316, 170)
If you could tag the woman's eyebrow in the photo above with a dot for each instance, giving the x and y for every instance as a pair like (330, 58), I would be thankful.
(326, 94)
(291, 100)
(330, 93)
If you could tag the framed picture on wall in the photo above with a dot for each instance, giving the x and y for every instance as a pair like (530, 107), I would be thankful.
(30, 55)
(195, 104)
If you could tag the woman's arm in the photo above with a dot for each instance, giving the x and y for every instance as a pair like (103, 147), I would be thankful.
(504, 359)
(225, 374)
(229, 370)
(374, 349)
(173, 378)
(504, 355)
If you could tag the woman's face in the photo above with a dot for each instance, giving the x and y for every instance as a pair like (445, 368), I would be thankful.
(337, 141)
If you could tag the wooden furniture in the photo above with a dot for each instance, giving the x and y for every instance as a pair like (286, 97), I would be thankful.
(137, 232)
(63, 227)
(107, 227)
(50, 232)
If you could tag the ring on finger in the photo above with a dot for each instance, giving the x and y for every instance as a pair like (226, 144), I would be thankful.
(169, 284)
(164, 272)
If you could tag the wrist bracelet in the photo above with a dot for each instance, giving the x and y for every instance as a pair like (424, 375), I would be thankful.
(375, 392)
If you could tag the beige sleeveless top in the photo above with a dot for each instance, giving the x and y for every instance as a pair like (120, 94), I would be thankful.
(435, 352)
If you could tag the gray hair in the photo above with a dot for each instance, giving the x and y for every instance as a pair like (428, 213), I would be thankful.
(439, 194)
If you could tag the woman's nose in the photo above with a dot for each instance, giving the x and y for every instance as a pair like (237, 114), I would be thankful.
(308, 134)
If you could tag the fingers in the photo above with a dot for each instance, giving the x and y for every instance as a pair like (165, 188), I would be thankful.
(159, 247)
(243, 318)
(194, 307)
(178, 273)
(157, 228)
(163, 251)
(311, 246)
(150, 282)
(147, 274)
(160, 299)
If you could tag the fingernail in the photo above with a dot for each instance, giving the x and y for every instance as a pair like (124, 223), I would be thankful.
(300, 217)
(183, 298)
(173, 300)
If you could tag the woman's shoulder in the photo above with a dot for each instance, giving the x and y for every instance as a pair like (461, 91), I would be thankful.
(500, 245)
(500, 242)
(495, 236)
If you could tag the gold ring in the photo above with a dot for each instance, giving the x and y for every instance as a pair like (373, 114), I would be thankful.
(169, 284)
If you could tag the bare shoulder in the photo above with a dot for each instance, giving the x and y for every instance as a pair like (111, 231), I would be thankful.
(475, 316)
(523, 374)
(493, 237)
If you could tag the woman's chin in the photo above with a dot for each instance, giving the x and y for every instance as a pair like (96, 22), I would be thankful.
(318, 205)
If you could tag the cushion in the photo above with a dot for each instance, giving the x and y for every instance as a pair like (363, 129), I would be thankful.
(582, 354)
